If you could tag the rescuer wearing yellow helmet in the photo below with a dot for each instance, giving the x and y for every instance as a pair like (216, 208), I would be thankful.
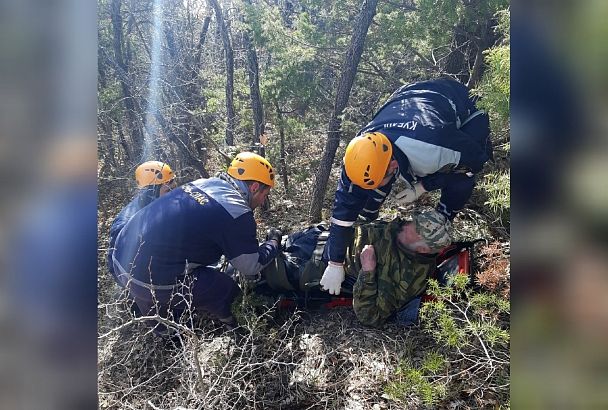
(428, 134)
(165, 254)
(154, 179)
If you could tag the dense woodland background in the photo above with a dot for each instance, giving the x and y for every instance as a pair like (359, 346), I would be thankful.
(192, 82)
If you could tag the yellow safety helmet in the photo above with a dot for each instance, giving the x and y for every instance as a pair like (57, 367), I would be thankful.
(248, 166)
(153, 173)
(366, 159)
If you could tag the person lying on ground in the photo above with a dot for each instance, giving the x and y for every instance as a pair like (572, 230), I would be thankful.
(387, 264)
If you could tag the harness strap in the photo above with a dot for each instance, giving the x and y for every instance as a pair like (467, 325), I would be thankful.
(321, 241)
(125, 277)
(312, 272)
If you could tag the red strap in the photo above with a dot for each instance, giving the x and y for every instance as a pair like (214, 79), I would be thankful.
(338, 302)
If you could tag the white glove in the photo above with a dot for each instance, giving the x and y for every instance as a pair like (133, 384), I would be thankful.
(410, 194)
(332, 279)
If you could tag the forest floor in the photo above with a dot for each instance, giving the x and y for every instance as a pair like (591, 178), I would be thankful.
(299, 360)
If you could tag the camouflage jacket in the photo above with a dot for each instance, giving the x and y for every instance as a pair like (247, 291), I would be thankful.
(400, 275)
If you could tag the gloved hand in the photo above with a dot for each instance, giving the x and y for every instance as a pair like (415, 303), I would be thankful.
(274, 233)
(332, 278)
(410, 194)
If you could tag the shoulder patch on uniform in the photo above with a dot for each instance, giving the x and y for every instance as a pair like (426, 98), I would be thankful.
(225, 195)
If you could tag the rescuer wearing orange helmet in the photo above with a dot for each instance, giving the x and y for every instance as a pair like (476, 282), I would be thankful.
(428, 134)
(165, 253)
(154, 179)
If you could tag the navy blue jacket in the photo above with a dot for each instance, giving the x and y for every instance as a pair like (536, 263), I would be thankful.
(193, 225)
(423, 121)
(141, 199)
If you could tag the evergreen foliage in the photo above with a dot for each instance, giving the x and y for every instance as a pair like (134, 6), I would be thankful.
(471, 329)
(494, 89)
(300, 47)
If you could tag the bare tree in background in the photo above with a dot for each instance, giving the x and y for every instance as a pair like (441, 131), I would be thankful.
(229, 58)
(253, 73)
(282, 151)
(254, 88)
(122, 65)
(349, 71)
(471, 36)
(183, 92)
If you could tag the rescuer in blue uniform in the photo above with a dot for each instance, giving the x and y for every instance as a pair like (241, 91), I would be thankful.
(431, 136)
(163, 254)
(154, 179)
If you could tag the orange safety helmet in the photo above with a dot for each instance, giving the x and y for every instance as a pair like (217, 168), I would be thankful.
(366, 159)
(153, 173)
(248, 166)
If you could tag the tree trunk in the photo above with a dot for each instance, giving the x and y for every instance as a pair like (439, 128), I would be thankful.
(282, 153)
(195, 98)
(199, 47)
(229, 55)
(123, 142)
(106, 146)
(132, 113)
(456, 62)
(349, 71)
(198, 101)
(478, 66)
(476, 71)
(254, 92)
(253, 72)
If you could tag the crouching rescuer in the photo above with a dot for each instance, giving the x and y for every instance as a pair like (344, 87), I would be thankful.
(166, 252)
(154, 179)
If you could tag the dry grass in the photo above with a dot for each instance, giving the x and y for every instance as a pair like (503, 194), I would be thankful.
(302, 360)
(494, 269)
(327, 360)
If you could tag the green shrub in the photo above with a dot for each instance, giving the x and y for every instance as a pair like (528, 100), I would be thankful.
(470, 353)
(495, 85)
(419, 380)
(497, 186)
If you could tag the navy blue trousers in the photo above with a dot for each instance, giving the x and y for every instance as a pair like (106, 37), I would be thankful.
(205, 289)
